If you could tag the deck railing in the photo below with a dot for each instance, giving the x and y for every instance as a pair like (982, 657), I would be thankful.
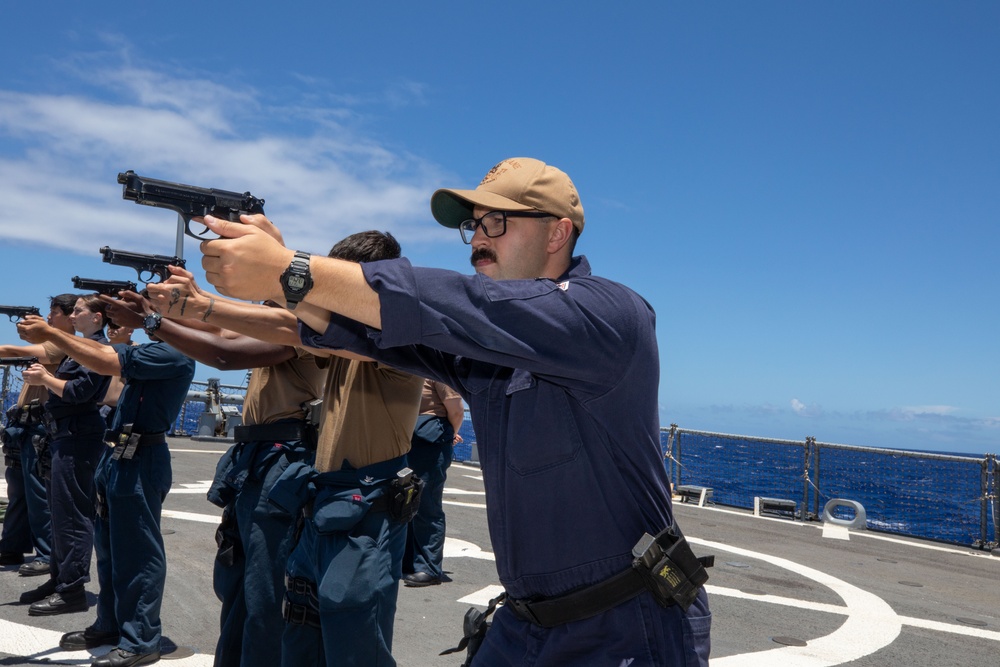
(945, 497)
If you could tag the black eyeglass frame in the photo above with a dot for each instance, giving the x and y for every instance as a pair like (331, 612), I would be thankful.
(471, 224)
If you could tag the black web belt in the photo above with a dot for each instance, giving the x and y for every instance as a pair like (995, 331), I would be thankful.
(63, 411)
(613, 591)
(279, 432)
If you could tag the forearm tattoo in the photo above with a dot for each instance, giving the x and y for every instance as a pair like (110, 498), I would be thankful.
(175, 296)
(184, 304)
(208, 311)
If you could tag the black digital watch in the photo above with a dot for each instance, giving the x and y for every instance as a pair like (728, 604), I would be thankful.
(296, 281)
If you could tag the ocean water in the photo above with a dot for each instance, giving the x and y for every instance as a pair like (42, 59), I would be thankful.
(922, 494)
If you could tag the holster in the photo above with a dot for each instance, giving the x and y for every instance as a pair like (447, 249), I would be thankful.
(227, 537)
(404, 496)
(43, 461)
(474, 625)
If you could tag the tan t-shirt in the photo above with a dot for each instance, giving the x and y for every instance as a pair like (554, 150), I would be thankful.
(369, 411)
(29, 392)
(433, 396)
(278, 392)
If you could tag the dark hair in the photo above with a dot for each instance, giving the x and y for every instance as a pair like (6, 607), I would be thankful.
(369, 246)
(64, 302)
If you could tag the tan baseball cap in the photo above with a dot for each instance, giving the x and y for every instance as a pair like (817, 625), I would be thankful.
(516, 184)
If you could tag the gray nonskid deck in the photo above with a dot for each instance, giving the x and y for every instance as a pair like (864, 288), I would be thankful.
(782, 592)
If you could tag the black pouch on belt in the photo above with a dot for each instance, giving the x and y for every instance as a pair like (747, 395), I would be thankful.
(404, 495)
(671, 570)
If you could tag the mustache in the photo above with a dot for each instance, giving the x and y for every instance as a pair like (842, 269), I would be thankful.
(482, 253)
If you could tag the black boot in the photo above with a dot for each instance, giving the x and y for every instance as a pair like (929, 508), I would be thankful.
(66, 602)
(40, 593)
(122, 658)
(89, 638)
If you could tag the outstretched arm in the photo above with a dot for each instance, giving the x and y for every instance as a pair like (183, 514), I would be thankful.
(247, 262)
(33, 350)
(98, 357)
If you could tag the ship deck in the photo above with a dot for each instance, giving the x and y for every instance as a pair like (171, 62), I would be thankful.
(783, 593)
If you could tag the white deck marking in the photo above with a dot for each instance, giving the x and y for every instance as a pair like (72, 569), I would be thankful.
(200, 451)
(455, 502)
(912, 542)
(836, 609)
(191, 516)
(463, 492)
(478, 477)
(201, 486)
(834, 532)
(483, 596)
(871, 623)
(24, 641)
(461, 549)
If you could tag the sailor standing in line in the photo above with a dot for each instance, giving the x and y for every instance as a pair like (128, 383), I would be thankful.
(132, 481)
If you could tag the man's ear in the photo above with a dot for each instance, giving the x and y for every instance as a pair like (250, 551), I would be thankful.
(562, 232)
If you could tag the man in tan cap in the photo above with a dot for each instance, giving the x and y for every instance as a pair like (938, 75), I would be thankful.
(560, 370)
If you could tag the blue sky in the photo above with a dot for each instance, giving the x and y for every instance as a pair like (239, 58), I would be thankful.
(806, 192)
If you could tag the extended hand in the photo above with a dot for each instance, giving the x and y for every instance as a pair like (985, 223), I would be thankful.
(34, 329)
(34, 374)
(178, 297)
(247, 261)
(127, 311)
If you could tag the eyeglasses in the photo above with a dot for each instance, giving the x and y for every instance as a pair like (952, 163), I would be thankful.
(494, 223)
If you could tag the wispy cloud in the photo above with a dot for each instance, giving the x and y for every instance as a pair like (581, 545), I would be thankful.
(800, 408)
(321, 179)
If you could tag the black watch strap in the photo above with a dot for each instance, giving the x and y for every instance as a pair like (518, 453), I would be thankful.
(296, 281)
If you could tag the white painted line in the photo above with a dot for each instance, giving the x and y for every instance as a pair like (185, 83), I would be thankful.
(952, 628)
(931, 547)
(966, 630)
(463, 492)
(197, 487)
(483, 596)
(200, 451)
(455, 502)
(832, 531)
(24, 641)
(913, 541)
(461, 549)
(871, 623)
(191, 516)
(479, 477)
(777, 599)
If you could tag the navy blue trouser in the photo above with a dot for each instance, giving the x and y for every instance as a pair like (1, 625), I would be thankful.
(16, 534)
(26, 525)
(70, 491)
(429, 458)
(249, 575)
(131, 561)
(352, 560)
(637, 633)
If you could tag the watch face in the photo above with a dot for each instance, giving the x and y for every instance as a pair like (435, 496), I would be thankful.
(296, 282)
(151, 322)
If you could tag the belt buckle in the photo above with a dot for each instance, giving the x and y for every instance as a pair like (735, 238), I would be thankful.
(522, 610)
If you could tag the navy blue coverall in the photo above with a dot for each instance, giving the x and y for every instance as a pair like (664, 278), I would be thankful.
(26, 526)
(76, 441)
(561, 379)
(249, 576)
(131, 561)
